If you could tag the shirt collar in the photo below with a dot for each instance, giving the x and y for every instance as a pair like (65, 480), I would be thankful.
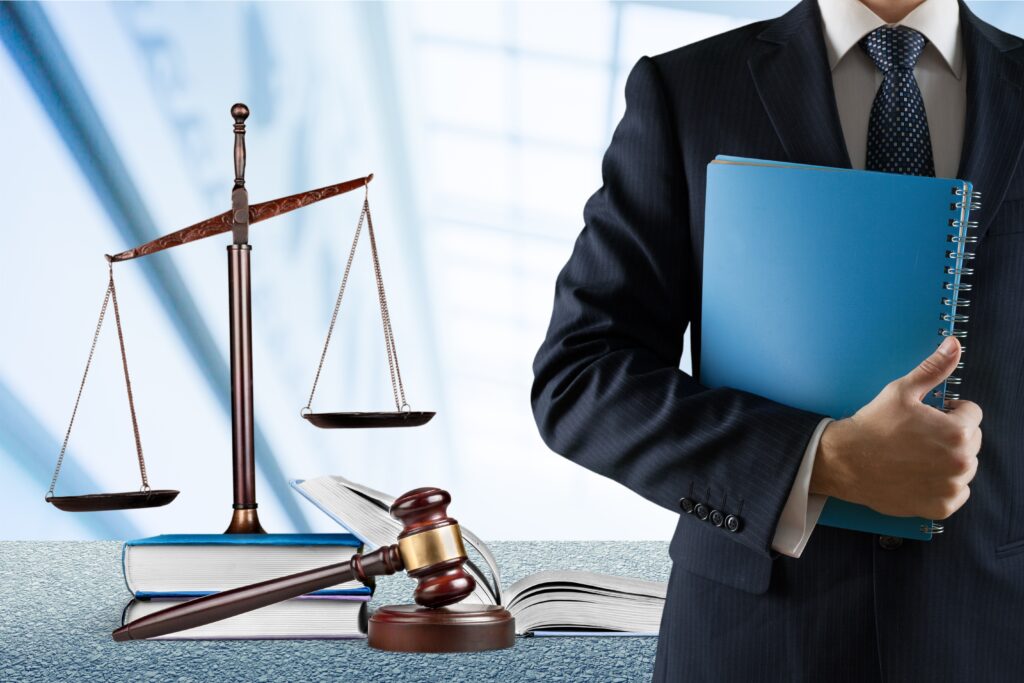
(845, 22)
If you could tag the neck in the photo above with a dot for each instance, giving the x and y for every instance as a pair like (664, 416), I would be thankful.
(891, 11)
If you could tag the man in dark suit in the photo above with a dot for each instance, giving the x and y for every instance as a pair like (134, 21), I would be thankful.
(757, 592)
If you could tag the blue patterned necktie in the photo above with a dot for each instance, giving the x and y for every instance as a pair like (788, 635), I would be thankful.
(898, 140)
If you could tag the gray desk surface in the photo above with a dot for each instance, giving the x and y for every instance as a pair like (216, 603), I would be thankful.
(60, 601)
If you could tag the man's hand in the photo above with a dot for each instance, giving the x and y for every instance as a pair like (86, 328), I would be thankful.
(900, 456)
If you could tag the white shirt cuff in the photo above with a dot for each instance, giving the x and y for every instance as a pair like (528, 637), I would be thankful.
(802, 509)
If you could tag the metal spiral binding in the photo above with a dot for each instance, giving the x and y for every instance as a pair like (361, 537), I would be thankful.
(952, 316)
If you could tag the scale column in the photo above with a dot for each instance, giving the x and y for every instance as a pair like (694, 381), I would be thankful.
(244, 519)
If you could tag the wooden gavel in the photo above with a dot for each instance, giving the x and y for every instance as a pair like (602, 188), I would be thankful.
(429, 549)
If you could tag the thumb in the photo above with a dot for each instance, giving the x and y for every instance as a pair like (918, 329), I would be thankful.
(933, 369)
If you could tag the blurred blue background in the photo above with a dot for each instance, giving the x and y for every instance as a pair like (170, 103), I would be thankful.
(484, 124)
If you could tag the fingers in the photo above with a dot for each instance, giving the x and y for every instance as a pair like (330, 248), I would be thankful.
(969, 467)
(946, 508)
(968, 413)
(932, 370)
(962, 434)
(958, 421)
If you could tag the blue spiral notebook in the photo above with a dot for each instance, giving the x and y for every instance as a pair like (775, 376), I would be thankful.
(821, 285)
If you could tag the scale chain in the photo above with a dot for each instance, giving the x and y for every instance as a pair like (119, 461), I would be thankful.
(109, 295)
(389, 338)
(78, 398)
(337, 307)
(128, 382)
(397, 387)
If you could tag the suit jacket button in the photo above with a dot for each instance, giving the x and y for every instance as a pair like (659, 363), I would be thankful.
(701, 510)
(890, 542)
(732, 523)
(717, 518)
(686, 505)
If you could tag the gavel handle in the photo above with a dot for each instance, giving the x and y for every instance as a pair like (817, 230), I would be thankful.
(211, 608)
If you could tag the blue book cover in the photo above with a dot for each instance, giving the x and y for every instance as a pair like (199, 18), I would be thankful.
(292, 540)
(821, 285)
(249, 539)
(361, 594)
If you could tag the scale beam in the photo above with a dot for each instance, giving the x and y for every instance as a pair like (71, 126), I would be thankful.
(225, 221)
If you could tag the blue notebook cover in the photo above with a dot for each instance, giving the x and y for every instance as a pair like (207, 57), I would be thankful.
(821, 285)
(347, 540)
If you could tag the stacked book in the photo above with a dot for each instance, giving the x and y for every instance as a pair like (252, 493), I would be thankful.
(168, 570)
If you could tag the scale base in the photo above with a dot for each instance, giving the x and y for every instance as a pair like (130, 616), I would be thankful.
(245, 521)
(456, 628)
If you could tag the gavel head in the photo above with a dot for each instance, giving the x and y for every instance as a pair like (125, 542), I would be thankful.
(431, 547)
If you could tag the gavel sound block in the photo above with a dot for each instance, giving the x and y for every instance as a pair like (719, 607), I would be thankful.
(429, 549)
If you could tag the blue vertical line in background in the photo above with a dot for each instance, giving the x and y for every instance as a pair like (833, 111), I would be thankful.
(34, 449)
(300, 178)
(613, 71)
(26, 32)
(388, 104)
(259, 64)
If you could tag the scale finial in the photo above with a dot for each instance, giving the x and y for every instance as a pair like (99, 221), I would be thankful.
(239, 195)
(240, 113)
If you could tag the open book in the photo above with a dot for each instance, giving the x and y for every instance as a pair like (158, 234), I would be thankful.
(546, 602)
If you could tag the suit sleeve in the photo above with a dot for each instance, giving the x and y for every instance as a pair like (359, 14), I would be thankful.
(608, 393)
(802, 508)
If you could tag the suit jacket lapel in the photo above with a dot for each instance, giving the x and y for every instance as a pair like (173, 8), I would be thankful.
(994, 129)
(794, 82)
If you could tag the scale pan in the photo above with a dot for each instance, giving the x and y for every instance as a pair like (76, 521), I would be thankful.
(368, 420)
(129, 500)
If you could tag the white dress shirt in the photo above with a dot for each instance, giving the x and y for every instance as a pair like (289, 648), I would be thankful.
(940, 75)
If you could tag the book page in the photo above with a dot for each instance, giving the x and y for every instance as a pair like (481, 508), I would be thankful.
(364, 512)
(586, 582)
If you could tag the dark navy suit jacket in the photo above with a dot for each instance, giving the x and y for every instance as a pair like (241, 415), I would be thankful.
(608, 393)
